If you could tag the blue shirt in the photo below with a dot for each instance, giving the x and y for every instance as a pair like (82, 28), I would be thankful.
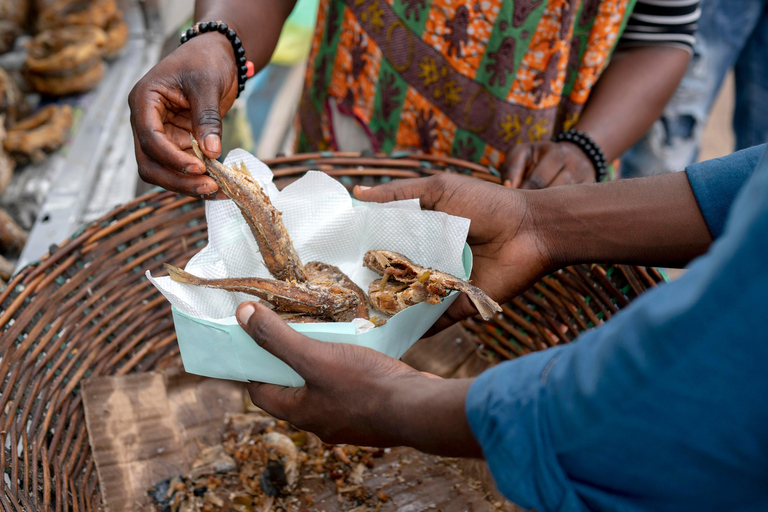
(664, 407)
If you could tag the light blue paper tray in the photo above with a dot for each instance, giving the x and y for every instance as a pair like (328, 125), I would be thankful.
(224, 351)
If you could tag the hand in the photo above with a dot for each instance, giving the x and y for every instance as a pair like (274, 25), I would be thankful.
(509, 255)
(187, 92)
(356, 395)
(546, 164)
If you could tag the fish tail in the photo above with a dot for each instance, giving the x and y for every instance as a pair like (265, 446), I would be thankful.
(485, 305)
(181, 276)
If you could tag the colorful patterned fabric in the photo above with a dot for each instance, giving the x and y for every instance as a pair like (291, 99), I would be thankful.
(464, 78)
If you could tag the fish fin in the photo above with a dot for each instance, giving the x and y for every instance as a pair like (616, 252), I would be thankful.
(485, 305)
(196, 148)
(181, 276)
(241, 167)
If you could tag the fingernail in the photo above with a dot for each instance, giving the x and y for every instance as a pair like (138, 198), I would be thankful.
(362, 187)
(507, 183)
(212, 143)
(244, 313)
(204, 190)
(192, 169)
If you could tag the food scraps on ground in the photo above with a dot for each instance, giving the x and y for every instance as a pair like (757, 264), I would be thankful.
(262, 464)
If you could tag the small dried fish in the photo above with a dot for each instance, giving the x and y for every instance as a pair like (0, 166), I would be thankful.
(323, 274)
(265, 221)
(405, 283)
(334, 303)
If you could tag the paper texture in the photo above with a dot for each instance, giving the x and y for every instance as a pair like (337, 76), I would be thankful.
(325, 224)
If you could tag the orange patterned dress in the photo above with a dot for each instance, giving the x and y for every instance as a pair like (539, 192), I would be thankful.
(464, 78)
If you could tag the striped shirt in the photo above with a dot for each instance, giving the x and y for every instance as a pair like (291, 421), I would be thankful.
(662, 22)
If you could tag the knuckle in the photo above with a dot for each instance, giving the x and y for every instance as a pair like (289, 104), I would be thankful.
(209, 117)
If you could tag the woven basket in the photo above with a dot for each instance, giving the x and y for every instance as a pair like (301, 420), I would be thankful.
(86, 309)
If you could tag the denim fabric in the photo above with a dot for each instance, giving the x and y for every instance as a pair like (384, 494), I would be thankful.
(731, 34)
(663, 408)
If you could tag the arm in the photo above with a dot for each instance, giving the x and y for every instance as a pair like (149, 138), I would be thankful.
(630, 95)
(518, 236)
(192, 88)
(654, 221)
(268, 16)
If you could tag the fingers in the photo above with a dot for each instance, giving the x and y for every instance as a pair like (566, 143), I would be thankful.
(148, 113)
(546, 170)
(301, 353)
(279, 401)
(398, 190)
(515, 165)
(190, 184)
(564, 178)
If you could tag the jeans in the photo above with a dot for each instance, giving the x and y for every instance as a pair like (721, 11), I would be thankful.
(731, 34)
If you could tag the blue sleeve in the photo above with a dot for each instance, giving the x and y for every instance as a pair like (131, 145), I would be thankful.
(662, 408)
(716, 182)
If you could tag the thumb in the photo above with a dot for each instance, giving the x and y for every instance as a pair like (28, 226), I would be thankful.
(396, 190)
(206, 120)
(275, 336)
(429, 191)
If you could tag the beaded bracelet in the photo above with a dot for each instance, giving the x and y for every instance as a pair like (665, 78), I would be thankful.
(589, 147)
(244, 67)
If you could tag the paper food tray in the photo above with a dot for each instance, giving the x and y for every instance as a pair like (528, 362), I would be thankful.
(325, 224)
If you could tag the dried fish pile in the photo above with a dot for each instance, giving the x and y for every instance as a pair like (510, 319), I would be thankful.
(319, 292)
(264, 464)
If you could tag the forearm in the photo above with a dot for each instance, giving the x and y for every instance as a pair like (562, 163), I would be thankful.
(630, 95)
(431, 417)
(647, 221)
(257, 22)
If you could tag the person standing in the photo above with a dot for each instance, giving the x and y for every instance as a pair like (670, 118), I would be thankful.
(546, 91)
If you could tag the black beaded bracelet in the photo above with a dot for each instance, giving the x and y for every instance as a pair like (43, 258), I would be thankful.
(244, 66)
(589, 147)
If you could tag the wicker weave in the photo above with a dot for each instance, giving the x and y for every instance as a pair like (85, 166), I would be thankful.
(86, 309)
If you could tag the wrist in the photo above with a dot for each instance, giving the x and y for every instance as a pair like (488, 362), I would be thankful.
(589, 149)
(429, 415)
(554, 224)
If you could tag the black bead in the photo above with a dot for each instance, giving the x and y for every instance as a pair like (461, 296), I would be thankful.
(202, 28)
(243, 78)
(212, 25)
(237, 43)
(231, 34)
(191, 33)
(223, 27)
(243, 69)
(241, 60)
(240, 87)
(240, 51)
(184, 39)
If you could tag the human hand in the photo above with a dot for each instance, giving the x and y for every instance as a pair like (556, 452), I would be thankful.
(509, 255)
(187, 92)
(355, 395)
(546, 164)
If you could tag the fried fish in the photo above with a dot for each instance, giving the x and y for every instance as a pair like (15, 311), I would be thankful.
(322, 302)
(265, 222)
(405, 283)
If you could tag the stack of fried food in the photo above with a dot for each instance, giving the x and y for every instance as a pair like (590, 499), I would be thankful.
(262, 464)
(13, 17)
(76, 36)
(317, 291)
